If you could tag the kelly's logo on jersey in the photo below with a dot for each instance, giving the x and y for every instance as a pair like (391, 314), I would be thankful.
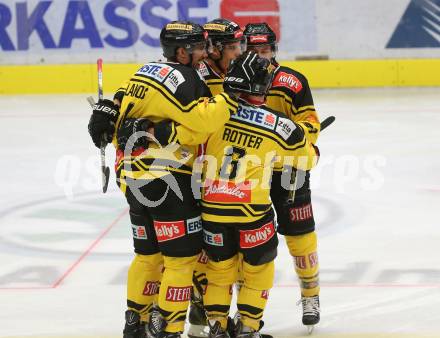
(227, 192)
(255, 116)
(287, 80)
(166, 231)
(253, 238)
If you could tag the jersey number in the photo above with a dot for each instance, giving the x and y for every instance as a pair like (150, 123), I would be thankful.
(231, 162)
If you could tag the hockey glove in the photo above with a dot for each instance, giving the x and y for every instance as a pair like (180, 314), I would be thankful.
(102, 122)
(243, 72)
(126, 134)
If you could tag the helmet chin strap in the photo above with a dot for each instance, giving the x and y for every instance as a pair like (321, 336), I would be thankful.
(255, 100)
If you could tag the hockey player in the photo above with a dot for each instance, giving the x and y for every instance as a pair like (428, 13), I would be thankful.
(236, 209)
(227, 43)
(167, 235)
(290, 94)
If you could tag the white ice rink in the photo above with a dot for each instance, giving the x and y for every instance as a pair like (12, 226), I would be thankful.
(65, 247)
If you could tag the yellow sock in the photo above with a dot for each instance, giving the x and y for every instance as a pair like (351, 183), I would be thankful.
(217, 299)
(252, 299)
(303, 249)
(143, 283)
(175, 290)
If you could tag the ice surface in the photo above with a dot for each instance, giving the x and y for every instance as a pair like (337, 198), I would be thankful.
(65, 247)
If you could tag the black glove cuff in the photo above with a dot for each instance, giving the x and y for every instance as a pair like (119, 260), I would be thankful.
(165, 132)
(128, 128)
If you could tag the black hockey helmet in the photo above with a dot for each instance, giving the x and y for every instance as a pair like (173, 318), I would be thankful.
(260, 34)
(223, 31)
(249, 74)
(181, 34)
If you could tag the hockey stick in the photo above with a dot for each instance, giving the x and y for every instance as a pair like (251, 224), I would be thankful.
(327, 121)
(105, 171)
(324, 124)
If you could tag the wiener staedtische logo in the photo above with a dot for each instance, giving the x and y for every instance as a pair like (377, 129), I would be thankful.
(419, 26)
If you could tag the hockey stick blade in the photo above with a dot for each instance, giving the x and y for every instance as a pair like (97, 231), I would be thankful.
(327, 121)
(105, 178)
(105, 171)
(264, 335)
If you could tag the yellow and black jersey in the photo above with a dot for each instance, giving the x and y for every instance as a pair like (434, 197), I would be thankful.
(290, 94)
(239, 161)
(120, 92)
(212, 75)
(169, 91)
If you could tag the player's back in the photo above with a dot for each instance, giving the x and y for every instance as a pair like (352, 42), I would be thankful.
(290, 94)
(159, 84)
(240, 157)
(162, 91)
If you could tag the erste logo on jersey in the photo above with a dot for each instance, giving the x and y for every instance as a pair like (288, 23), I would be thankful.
(166, 231)
(170, 77)
(228, 192)
(256, 116)
(139, 231)
(283, 79)
(194, 225)
(212, 239)
(256, 237)
(285, 127)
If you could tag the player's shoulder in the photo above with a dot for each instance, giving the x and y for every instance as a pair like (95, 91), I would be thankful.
(160, 71)
(178, 80)
(208, 73)
(288, 79)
